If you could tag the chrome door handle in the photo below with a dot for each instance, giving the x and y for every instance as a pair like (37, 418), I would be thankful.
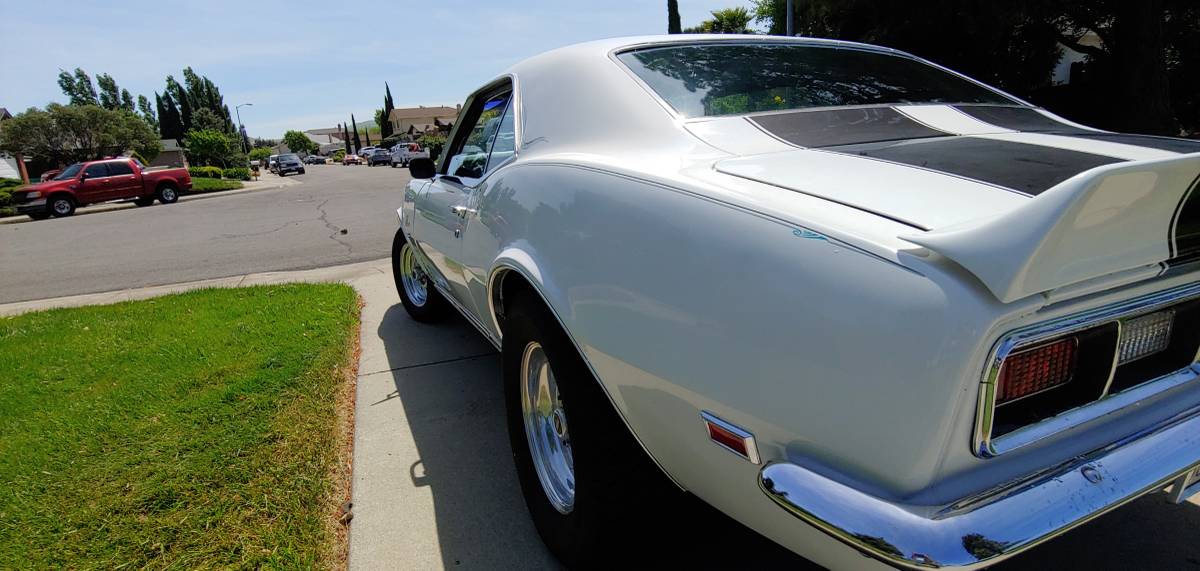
(462, 211)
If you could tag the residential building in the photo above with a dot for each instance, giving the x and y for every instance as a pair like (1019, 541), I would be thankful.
(416, 121)
(9, 167)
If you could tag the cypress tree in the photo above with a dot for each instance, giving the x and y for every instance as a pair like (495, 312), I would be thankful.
(357, 141)
(673, 25)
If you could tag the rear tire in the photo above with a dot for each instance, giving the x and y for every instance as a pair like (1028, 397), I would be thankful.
(38, 215)
(147, 201)
(167, 194)
(616, 493)
(421, 300)
(61, 206)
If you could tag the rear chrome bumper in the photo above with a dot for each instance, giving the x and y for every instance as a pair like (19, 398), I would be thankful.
(982, 530)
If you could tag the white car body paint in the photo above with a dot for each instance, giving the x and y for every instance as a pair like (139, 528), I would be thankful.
(840, 308)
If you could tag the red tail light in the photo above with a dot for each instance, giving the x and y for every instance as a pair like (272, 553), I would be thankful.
(1031, 371)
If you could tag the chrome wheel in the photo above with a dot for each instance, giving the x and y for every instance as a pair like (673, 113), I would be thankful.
(412, 276)
(546, 429)
(168, 194)
(62, 206)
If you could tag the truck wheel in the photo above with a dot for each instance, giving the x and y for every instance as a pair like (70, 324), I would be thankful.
(145, 201)
(587, 483)
(167, 194)
(421, 300)
(62, 205)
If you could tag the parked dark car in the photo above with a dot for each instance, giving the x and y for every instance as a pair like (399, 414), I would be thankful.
(314, 160)
(379, 157)
(289, 163)
(100, 181)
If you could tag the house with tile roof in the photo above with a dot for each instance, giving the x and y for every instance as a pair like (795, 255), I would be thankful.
(419, 120)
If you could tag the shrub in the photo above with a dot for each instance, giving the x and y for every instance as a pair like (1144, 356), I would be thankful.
(7, 185)
(236, 173)
(339, 155)
(205, 172)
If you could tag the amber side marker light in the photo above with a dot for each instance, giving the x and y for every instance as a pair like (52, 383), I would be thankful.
(730, 437)
(1031, 371)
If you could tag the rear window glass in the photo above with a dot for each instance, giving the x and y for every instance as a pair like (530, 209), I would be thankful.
(729, 79)
(119, 168)
(96, 170)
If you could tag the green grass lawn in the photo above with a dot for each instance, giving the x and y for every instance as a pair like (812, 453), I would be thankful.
(197, 430)
(214, 184)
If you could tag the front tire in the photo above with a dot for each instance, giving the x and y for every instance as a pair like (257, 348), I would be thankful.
(61, 206)
(588, 485)
(147, 201)
(421, 300)
(167, 194)
(38, 215)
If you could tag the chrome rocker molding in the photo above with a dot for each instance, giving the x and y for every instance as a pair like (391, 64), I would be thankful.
(984, 446)
(987, 528)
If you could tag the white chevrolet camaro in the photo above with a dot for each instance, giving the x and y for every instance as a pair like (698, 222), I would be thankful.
(858, 302)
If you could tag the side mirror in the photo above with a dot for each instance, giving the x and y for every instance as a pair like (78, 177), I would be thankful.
(422, 168)
(82, 176)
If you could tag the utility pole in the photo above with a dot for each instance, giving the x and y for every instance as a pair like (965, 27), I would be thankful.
(791, 19)
(241, 131)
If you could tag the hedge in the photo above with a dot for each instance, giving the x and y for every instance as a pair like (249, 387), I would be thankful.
(205, 172)
(236, 173)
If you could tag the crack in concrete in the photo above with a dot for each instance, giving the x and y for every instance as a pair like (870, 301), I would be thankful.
(431, 363)
(263, 233)
(335, 231)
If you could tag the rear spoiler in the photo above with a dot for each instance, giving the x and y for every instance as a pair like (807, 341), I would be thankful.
(1108, 219)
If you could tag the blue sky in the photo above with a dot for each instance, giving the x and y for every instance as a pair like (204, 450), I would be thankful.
(304, 65)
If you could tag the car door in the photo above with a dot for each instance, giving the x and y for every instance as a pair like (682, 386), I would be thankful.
(95, 186)
(443, 206)
(124, 182)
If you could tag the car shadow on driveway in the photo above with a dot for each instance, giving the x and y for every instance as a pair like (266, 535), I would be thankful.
(453, 403)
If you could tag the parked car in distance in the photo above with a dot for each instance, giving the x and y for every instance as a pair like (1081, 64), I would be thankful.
(404, 152)
(289, 163)
(273, 163)
(314, 160)
(860, 303)
(379, 157)
(365, 152)
(351, 160)
(100, 181)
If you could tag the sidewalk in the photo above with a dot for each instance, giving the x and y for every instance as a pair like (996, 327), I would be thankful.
(434, 486)
(263, 183)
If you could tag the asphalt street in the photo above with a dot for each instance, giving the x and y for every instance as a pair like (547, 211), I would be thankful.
(335, 215)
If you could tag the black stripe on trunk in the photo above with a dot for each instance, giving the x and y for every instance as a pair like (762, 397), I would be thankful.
(827, 127)
(1151, 141)
(1185, 228)
(1030, 169)
(1018, 119)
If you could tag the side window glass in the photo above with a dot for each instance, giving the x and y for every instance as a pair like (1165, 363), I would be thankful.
(469, 159)
(119, 168)
(505, 143)
(97, 170)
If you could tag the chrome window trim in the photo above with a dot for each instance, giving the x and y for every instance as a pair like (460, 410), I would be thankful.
(984, 446)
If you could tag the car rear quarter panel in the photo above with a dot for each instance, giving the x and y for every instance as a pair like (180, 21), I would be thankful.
(682, 304)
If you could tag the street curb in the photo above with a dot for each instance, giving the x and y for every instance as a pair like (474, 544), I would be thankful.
(283, 183)
(340, 273)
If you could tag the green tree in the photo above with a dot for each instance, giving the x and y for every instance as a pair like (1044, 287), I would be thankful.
(299, 142)
(207, 147)
(357, 141)
(346, 139)
(179, 96)
(673, 26)
(110, 94)
(170, 121)
(147, 112)
(726, 21)
(204, 119)
(70, 133)
(260, 153)
(78, 87)
(127, 101)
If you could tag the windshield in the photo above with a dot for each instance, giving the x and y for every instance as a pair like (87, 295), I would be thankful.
(69, 172)
(730, 79)
(289, 158)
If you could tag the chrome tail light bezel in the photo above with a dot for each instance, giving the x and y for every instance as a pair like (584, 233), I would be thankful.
(985, 446)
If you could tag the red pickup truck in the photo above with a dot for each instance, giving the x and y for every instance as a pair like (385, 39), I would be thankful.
(100, 181)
